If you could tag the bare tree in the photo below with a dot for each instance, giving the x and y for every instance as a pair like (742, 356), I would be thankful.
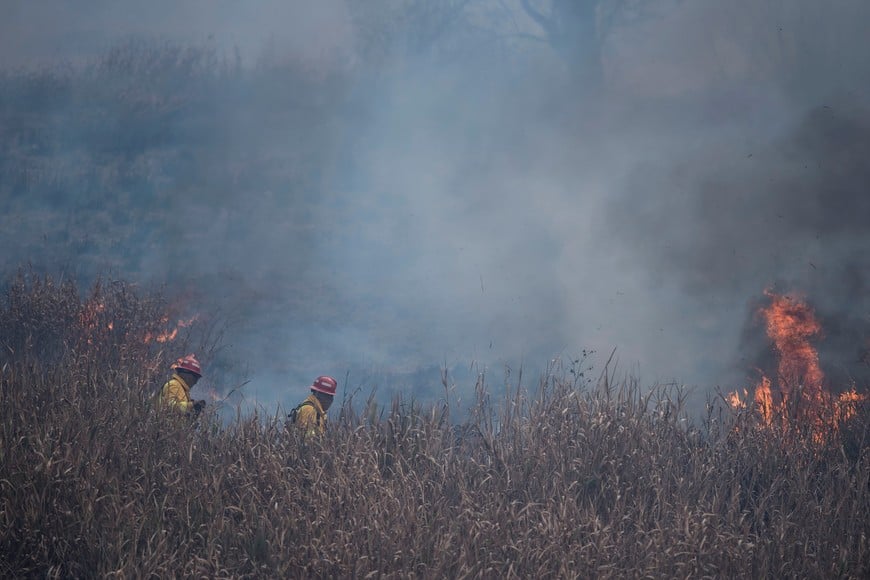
(415, 28)
(578, 29)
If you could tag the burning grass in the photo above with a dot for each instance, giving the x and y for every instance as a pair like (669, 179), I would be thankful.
(561, 481)
(797, 400)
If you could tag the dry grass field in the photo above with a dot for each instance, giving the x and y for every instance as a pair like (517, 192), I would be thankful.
(559, 480)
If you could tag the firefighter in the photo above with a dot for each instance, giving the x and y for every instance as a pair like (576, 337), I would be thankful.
(310, 415)
(175, 393)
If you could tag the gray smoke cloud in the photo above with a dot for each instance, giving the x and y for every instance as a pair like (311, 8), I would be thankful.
(51, 30)
(470, 203)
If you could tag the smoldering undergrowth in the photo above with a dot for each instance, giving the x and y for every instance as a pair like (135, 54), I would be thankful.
(555, 478)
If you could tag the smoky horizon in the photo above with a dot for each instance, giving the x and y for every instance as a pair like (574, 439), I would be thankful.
(382, 191)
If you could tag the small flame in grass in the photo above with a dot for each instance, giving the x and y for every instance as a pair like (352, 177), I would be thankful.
(847, 404)
(170, 334)
(764, 400)
(89, 318)
(735, 401)
(214, 395)
(797, 398)
(167, 336)
(90, 312)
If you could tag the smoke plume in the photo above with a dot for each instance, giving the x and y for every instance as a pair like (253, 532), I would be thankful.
(377, 191)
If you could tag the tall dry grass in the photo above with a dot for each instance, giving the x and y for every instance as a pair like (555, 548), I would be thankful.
(561, 480)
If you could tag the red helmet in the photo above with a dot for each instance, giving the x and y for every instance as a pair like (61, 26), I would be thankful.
(188, 363)
(324, 385)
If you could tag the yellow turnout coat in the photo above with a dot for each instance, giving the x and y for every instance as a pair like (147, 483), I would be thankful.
(311, 418)
(176, 394)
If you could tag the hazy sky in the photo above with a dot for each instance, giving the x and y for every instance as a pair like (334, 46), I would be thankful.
(507, 216)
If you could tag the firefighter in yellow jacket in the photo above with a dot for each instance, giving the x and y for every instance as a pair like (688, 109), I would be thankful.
(175, 394)
(310, 414)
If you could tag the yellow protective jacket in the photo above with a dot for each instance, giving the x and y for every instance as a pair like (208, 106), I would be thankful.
(176, 394)
(311, 419)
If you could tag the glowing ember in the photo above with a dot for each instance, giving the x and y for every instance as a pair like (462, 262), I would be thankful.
(89, 318)
(91, 312)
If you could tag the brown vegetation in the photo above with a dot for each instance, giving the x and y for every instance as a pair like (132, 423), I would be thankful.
(565, 481)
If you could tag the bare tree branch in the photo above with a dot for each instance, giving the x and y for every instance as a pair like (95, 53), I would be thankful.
(546, 23)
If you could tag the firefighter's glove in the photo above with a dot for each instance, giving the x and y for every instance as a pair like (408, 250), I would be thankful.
(198, 406)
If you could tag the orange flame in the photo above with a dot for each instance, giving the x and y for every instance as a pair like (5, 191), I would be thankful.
(89, 318)
(167, 336)
(735, 401)
(171, 334)
(798, 397)
(90, 312)
(790, 325)
(764, 400)
(847, 404)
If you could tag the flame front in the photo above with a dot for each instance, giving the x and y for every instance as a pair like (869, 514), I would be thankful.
(790, 325)
(797, 399)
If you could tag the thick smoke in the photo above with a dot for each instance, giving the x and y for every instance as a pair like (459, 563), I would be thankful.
(378, 208)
